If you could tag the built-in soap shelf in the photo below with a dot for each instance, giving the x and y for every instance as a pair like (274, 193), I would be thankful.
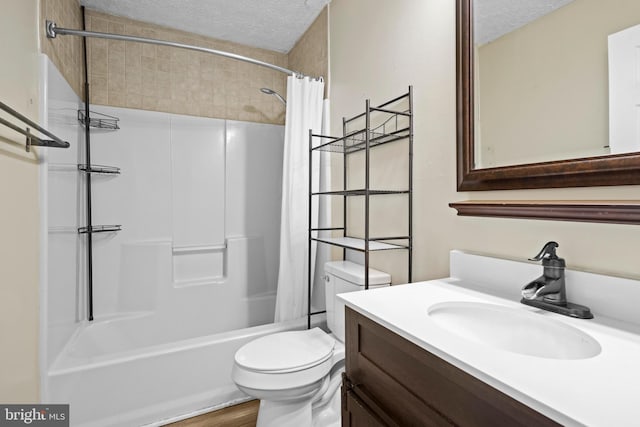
(194, 249)
(198, 265)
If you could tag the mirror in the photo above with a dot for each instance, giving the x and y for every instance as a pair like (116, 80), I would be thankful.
(534, 97)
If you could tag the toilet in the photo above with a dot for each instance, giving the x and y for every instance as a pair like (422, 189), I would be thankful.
(297, 374)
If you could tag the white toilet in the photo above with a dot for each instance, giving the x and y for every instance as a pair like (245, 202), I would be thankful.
(297, 374)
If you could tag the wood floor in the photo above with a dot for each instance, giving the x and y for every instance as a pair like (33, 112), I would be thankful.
(242, 415)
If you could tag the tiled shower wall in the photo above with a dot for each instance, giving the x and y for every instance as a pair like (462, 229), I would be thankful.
(310, 55)
(158, 78)
(64, 51)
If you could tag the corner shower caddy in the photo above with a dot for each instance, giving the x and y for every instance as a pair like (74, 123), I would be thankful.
(396, 126)
(102, 121)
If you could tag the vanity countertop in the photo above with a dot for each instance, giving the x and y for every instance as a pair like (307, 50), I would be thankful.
(599, 391)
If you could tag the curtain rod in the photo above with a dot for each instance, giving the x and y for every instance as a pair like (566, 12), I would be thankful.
(53, 31)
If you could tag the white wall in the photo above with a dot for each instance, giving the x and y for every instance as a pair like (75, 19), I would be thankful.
(378, 48)
(19, 214)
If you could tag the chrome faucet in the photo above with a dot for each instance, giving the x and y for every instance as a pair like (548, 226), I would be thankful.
(548, 291)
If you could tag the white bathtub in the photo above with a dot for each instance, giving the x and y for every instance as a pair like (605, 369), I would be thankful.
(151, 385)
(173, 360)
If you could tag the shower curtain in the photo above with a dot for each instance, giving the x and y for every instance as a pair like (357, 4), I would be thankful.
(304, 112)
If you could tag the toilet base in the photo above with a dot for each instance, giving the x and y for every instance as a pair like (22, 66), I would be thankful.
(284, 414)
(330, 415)
(301, 413)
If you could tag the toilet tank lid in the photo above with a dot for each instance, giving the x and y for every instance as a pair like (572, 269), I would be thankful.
(354, 273)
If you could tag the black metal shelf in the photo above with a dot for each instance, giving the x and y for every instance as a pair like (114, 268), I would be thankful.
(359, 245)
(99, 169)
(359, 192)
(357, 140)
(93, 120)
(99, 229)
(382, 125)
(103, 121)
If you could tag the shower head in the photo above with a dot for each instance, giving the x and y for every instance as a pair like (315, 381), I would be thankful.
(274, 93)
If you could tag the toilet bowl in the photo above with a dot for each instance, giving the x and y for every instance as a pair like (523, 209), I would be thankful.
(297, 374)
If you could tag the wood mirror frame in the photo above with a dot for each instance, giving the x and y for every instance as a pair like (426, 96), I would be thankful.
(620, 169)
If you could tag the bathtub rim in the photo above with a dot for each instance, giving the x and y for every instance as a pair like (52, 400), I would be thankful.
(66, 365)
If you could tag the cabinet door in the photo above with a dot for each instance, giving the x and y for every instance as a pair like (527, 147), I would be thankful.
(358, 414)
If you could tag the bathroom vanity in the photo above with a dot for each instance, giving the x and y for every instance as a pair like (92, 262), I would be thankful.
(464, 351)
(391, 381)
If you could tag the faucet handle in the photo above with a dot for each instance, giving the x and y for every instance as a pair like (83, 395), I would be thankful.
(548, 249)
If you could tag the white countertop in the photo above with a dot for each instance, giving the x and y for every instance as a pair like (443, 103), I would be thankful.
(600, 391)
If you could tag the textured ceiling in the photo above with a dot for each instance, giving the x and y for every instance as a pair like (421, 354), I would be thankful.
(494, 18)
(269, 24)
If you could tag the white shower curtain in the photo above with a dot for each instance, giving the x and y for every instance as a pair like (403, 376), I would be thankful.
(304, 112)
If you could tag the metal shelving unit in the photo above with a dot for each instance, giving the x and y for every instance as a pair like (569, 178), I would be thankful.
(100, 121)
(392, 124)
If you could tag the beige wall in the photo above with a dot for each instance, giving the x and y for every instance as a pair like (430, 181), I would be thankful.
(19, 214)
(377, 49)
(544, 87)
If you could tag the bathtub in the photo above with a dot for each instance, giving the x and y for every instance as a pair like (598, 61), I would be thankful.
(172, 361)
(183, 271)
(112, 385)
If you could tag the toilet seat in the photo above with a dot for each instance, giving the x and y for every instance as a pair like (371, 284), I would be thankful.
(284, 362)
(285, 352)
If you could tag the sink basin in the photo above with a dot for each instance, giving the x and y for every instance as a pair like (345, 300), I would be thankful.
(514, 330)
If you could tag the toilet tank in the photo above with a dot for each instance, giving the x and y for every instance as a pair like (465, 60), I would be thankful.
(346, 276)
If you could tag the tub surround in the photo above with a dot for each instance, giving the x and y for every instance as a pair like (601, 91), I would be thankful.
(569, 392)
(170, 286)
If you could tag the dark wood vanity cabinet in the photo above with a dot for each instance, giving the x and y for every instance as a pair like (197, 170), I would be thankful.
(390, 381)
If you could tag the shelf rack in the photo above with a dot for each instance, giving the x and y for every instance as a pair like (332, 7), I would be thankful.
(99, 229)
(99, 169)
(102, 121)
(88, 121)
(397, 126)
(32, 140)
